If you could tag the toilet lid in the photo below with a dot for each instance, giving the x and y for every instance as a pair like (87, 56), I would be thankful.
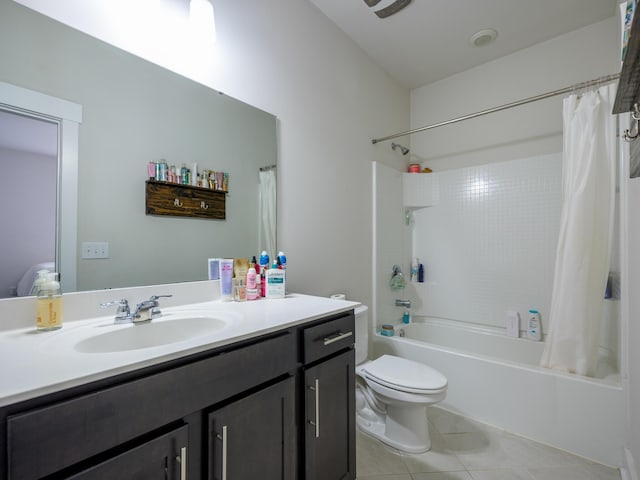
(403, 374)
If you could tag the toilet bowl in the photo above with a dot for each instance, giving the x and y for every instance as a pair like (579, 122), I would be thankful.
(392, 395)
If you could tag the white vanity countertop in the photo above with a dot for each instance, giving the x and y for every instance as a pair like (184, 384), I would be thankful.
(37, 363)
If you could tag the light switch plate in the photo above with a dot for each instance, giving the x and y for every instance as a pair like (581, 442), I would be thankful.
(93, 250)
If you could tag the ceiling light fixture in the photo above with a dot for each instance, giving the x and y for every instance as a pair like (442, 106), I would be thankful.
(483, 37)
(202, 20)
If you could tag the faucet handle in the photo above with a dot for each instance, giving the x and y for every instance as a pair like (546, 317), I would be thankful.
(403, 303)
(123, 312)
(155, 311)
(153, 298)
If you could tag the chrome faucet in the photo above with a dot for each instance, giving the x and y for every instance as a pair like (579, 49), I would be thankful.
(403, 303)
(144, 312)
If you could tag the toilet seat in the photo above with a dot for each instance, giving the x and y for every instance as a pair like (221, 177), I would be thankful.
(405, 375)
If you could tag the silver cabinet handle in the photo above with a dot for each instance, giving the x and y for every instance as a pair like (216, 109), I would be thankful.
(182, 460)
(337, 337)
(224, 451)
(316, 388)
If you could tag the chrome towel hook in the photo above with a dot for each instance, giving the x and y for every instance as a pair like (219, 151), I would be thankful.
(635, 115)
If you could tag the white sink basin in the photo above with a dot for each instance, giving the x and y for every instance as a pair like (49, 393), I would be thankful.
(151, 334)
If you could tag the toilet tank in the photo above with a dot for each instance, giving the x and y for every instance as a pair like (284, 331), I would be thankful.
(362, 333)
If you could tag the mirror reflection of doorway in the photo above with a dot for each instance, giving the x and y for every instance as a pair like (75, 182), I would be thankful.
(28, 199)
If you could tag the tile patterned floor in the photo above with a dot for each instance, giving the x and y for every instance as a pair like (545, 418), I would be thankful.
(466, 450)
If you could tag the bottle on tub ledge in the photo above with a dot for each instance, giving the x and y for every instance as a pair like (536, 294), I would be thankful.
(534, 326)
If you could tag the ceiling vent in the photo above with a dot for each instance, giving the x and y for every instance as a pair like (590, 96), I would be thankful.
(390, 9)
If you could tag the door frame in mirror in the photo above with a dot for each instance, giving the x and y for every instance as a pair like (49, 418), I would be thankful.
(68, 116)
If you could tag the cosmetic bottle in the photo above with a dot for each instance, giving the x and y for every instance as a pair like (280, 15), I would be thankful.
(151, 170)
(240, 291)
(184, 176)
(283, 260)
(226, 279)
(420, 273)
(534, 328)
(406, 316)
(264, 266)
(252, 284)
(49, 304)
(194, 175)
(275, 287)
(163, 170)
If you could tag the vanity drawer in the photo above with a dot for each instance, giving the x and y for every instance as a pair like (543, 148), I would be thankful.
(329, 337)
(45, 440)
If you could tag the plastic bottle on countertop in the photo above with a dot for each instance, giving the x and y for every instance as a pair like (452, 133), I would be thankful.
(264, 265)
(275, 282)
(283, 260)
(252, 284)
(49, 303)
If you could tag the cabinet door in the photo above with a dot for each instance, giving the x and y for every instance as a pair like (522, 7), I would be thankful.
(329, 449)
(254, 437)
(164, 457)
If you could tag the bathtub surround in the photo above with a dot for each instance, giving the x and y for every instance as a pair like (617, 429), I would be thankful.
(586, 229)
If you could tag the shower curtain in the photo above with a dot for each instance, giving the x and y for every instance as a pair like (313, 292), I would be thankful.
(583, 251)
(268, 210)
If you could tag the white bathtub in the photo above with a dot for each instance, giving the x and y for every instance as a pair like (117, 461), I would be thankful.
(495, 379)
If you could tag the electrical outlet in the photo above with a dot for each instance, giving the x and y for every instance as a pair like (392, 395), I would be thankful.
(93, 250)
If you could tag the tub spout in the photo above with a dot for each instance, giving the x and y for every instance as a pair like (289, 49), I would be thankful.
(403, 303)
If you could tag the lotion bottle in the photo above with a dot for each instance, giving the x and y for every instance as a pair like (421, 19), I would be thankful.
(252, 285)
(534, 327)
(275, 287)
(49, 304)
(226, 279)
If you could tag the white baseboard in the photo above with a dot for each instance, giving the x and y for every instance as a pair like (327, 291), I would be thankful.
(628, 470)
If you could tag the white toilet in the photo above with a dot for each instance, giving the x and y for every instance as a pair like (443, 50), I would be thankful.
(392, 394)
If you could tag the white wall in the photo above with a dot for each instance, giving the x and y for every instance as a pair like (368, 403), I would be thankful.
(285, 57)
(529, 130)
(633, 334)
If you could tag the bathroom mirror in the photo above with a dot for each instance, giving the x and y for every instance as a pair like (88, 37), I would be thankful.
(134, 112)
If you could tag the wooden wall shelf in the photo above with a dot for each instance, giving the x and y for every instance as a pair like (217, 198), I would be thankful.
(164, 198)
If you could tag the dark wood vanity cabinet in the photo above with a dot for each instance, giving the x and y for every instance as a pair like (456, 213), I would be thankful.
(243, 411)
(329, 400)
(255, 437)
(164, 457)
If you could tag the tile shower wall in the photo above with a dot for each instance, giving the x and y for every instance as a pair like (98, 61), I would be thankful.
(489, 245)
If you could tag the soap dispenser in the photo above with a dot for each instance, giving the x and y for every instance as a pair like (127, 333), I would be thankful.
(49, 303)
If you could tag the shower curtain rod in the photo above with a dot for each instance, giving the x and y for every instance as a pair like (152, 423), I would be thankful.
(578, 86)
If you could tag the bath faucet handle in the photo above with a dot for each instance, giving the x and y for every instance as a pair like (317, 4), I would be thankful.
(123, 313)
(403, 303)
